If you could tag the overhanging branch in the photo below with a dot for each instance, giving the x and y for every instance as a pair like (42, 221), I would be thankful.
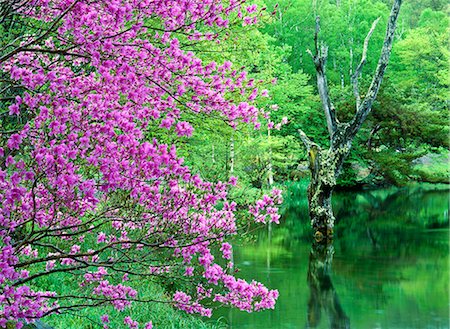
(41, 37)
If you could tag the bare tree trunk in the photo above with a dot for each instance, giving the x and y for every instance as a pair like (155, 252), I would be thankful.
(326, 165)
(351, 60)
(323, 180)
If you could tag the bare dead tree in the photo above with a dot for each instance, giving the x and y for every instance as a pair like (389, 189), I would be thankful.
(326, 164)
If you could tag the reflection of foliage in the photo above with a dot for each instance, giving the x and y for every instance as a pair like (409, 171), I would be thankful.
(395, 209)
(386, 257)
(414, 207)
(380, 218)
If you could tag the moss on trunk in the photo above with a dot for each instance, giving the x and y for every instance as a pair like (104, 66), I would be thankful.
(325, 167)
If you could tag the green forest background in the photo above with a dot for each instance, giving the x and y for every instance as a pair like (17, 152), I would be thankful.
(406, 137)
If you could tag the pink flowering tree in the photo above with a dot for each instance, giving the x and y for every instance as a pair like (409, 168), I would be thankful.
(86, 187)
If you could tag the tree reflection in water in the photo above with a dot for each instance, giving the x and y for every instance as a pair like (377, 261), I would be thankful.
(323, 296)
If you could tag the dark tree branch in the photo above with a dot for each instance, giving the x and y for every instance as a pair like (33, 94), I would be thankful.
(40, 38)
(366, 106)
(320, 60)
(355, 76)
(64, 52)
(375, 129)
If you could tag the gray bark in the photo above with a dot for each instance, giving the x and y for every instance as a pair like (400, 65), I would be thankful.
(320, 60)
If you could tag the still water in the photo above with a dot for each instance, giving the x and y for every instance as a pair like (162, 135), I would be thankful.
(388, 266)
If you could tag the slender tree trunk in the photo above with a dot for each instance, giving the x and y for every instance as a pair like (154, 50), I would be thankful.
(270, 166)
(231, 156)
(351, 61)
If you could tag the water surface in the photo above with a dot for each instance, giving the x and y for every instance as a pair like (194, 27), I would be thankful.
(388, 267)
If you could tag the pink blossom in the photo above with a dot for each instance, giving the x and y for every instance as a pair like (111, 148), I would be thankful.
(251, 9)
(104, 318)
(189, 271)
(94, 164)
(14, 141)
(101, 237)
(14, 109)
(226, 250)
(184, 129)
(131, 323)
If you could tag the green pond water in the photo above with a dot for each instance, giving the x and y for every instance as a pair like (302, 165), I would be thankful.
(388, 266)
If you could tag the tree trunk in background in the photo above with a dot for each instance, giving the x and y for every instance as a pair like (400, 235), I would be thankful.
(325, 165)
(269, 165)
(320, 189)
(231, 156)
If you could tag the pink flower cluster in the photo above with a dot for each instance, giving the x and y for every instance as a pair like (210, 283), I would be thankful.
(87, 171)
(246, 296)
(238, 293)
(266, 210)
(184, 302)
(226, 250)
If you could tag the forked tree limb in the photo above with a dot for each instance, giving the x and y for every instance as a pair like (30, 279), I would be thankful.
(355, 76)
(365, 107)
(320, 59)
